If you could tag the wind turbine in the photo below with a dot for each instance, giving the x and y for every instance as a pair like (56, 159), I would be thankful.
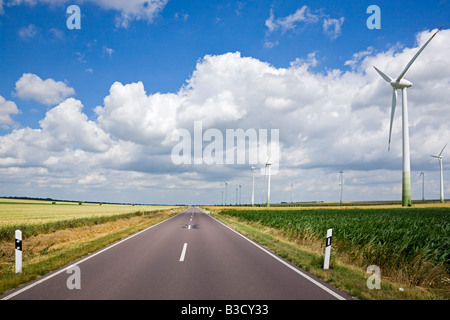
(226, 187)
(268, 164)
(292, 191)
(422, 174)
(341, 183)
(240, 195)
(253, 186)
(439, 157)
(402, 84)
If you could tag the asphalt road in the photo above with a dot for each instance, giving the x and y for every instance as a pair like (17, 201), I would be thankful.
(191, 256)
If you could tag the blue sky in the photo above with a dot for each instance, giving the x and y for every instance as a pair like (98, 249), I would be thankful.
(163, 53)
(120, 42)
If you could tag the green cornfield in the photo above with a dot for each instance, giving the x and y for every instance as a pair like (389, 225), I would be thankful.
(385, 237)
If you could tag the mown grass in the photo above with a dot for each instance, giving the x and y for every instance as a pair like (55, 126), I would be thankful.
(411, 247)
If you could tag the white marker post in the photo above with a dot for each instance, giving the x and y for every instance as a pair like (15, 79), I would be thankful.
(18, 247)
(326, 262)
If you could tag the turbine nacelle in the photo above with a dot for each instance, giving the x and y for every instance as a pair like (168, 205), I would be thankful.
(439, 156)
(403, 83)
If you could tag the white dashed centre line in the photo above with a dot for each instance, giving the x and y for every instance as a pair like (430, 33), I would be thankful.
(183, 252)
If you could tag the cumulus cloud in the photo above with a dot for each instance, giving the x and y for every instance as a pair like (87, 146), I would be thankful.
(67, 125)
(7, 108)
(49, 91)
(327, 121)
(132, 115)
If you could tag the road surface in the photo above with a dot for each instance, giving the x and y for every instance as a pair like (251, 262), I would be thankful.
(190, 256)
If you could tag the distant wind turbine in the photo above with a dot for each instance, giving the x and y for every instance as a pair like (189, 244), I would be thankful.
(439, 157)
(253, 186)
(341, 183)
(292, 191)
(422, 174)
(226, 187)
(400, 83)
(268, 164)
(240, 195)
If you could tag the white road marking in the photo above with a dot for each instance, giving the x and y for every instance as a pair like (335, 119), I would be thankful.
(336, 295)
(81, 261)
(183, 252)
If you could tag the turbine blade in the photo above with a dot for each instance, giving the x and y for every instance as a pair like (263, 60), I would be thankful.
(268, 159)
(442, 150)
(394, 103)
(415, 56)
(383, 75)
(437, 157)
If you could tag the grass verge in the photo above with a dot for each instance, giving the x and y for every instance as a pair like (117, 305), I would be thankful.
(343, 275)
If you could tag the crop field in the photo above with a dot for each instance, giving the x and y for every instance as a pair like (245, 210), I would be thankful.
(35, 216)
(413, 242)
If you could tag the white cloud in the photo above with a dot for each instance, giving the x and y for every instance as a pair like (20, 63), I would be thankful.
(301, 15)
(133, 9)
(333, 27)
(108, 51)
(92, 179)
(294, 22)
(56, 33)
(132, 115)
(270, 23)
(291, 21)
(357, 57)
(327, 121)
(29, 32)
(7, 108)
(129, 10)
(69, 126)
(49, 91)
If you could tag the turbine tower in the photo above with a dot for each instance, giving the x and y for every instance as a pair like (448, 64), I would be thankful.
(422, 174)
(292, 191)
(240, 195)
(341, 183)
(403, 84)
(226, 187)
(253, 186)
(439, 157)
(268, 164)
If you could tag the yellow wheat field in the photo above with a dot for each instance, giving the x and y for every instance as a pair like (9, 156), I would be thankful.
(20, 212)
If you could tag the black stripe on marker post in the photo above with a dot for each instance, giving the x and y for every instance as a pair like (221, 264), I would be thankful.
(328, 241)
(19, 244)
